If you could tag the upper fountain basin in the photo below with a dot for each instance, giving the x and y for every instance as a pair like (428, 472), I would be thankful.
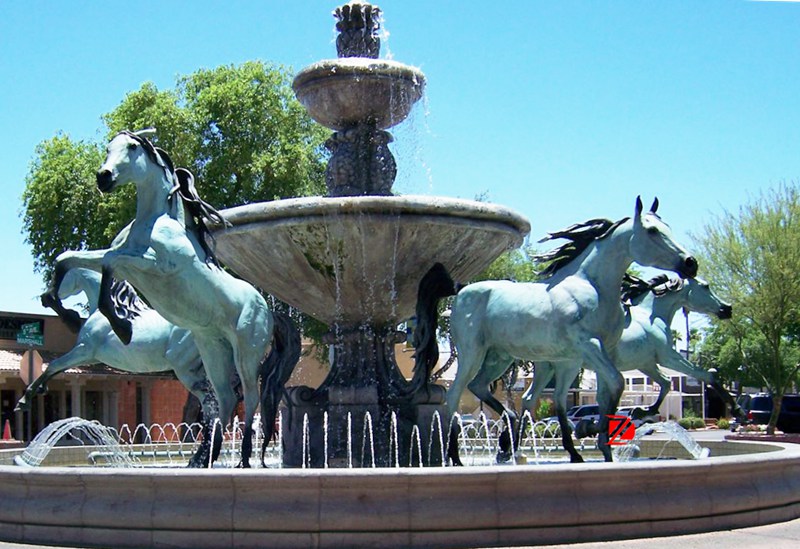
(358, 260)
(341, 93)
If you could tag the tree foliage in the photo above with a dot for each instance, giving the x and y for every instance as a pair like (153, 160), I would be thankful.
(752, 257)
(239, 129)
(63, 209)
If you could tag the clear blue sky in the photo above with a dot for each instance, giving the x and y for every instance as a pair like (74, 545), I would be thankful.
(563, 110)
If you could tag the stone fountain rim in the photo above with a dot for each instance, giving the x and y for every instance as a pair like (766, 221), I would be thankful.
(420, 205)
(364, 67)
(397, 507)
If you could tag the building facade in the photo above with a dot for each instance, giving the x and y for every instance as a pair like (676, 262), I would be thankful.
(93, 392)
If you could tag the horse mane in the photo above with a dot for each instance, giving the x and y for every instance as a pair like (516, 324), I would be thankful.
(199, 210)
(580, 236)
(127, 303)
(156, 154)
(633, 287)
(183, 184)
(663, 284)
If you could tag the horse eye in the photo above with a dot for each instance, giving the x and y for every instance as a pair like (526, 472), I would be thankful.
(132, 146)
(652, 230)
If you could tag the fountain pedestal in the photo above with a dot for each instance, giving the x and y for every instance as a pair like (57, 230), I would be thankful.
(354, 260)
(364, 414)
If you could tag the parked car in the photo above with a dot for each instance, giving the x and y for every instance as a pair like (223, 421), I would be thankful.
(758, 408)
(638, 415)
(589, 412)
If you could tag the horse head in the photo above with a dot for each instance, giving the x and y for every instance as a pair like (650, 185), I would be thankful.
(700, 298)
(652, 243)
(132, 157)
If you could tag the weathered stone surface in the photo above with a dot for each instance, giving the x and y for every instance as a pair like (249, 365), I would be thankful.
(447, 507)
(341, 93)
(358, 260)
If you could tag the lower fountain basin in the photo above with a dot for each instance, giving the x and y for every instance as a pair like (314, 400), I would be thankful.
(359, 260)
(442, 507)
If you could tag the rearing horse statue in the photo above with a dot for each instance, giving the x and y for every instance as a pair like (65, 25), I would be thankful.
(156, 346)
(164, 254)
(646, 341)
(573, 316)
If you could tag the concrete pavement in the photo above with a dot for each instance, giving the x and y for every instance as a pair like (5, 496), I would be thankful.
(772, 536)
(784, 535)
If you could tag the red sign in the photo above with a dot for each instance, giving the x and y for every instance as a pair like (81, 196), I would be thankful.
(620, 430)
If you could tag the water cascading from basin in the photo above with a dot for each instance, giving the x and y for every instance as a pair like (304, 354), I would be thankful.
(354, 258)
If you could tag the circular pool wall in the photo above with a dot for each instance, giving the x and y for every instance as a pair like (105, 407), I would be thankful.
(447, 507)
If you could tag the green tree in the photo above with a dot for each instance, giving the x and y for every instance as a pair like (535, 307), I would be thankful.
(62, 208)
(239, 129)
(753, 258)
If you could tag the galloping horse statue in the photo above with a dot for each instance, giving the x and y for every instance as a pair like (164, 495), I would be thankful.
(164, 254)
(646, 341)
(574, 315)
(156, 346)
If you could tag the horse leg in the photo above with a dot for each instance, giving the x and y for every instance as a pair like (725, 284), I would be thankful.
(80, 354)
(675, 361)
(609, 388)
(193, 377)
(543, 373)
(494, 366)
(254, 333)
(664, 387)
(469, 362)
(452, 444)
(216, 356)
(565, 374)
(87, 259)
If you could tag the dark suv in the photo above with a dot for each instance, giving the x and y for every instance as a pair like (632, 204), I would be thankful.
(759, 407)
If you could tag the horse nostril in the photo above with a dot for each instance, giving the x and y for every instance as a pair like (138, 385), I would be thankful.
(690, 267)
(104, 179)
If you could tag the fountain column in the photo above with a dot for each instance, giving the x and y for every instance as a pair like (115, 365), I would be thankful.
(360, 97)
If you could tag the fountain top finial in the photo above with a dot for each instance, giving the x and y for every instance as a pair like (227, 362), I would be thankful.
(358, 24)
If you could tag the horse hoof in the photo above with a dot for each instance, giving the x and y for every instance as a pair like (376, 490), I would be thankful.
(197, 463)
(504, 457)
(576, 459)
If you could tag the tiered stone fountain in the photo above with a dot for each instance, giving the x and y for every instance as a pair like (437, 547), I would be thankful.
(354, 262)
(354, 259)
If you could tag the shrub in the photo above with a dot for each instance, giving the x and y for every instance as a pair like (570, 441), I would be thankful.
(544, 409)
(698, 423)
(685, 422)
(723, 423)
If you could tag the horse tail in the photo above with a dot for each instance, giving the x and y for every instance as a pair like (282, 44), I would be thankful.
(276, 370)
(434, 286)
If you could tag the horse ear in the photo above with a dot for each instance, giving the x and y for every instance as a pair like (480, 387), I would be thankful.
(654, 207)
(147, 133)
(639, 206)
